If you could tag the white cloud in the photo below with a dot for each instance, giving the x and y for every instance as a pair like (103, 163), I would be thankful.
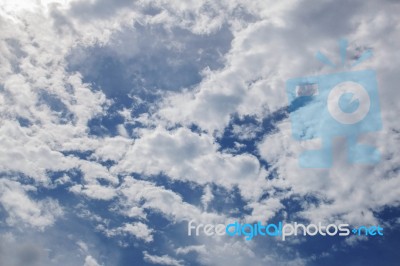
(185, 155)
(138, 230)
(94, 191)
(201, 249)
(207, 197)
(161, 260)
(221, 250)
(264, 210)
(245, 132)
(145, 195)
(90, 261)
(21, 208)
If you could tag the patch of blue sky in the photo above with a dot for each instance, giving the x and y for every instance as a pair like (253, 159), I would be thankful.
(228, 202)
(106, 125)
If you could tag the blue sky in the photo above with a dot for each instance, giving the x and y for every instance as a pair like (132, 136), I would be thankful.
(123, 120)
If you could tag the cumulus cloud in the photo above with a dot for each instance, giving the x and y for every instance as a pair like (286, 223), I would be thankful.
(186, 155)
(138, 230)
(145, 195)
(169, 77)
(90, 261)
(21, 208)
(161, 260)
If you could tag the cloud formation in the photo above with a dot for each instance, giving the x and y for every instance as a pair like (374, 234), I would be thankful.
(122, 108)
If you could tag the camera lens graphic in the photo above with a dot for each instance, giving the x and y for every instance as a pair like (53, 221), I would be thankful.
(359, 98)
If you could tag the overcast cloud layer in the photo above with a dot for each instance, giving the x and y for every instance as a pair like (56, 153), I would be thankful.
(122, 120)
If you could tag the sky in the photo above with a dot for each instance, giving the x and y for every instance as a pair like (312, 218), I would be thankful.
(121, 121)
